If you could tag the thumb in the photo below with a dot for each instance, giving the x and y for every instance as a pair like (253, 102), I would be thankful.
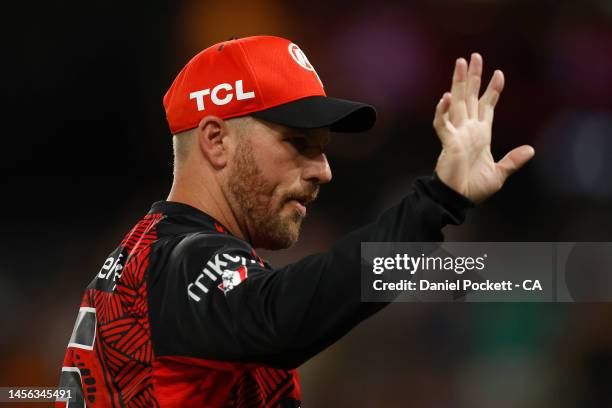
(514, 160)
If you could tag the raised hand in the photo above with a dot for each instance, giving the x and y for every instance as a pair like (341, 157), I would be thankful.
(463, 123)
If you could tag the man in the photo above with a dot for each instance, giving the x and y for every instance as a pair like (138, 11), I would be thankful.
(184, 313)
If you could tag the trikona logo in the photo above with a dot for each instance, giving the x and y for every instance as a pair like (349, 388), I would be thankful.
(232, 269)
(215, 94)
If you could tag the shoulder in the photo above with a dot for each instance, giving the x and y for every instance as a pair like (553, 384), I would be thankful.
(203, 261)
(203, 245)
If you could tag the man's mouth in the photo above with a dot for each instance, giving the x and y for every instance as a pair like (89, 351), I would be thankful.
(300, 203)
(300, 207)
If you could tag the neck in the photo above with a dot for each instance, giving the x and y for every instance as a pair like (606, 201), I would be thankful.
(209, 198)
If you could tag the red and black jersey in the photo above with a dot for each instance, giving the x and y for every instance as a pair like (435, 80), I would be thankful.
(184, 314)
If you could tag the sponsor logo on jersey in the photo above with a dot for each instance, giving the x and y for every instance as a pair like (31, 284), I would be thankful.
(111, 271)
(231, 279)
(231, 269)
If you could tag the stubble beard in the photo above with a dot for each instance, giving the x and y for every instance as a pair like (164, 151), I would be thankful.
(269, 226)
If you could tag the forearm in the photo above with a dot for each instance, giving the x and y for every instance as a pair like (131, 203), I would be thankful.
(319, 298)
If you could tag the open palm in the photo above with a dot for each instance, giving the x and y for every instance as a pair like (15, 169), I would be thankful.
(463, 123)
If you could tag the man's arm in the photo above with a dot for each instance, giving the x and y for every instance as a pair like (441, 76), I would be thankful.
(285, 316)
(333, 306)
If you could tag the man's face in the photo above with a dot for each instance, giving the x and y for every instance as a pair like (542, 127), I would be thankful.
(274, 173)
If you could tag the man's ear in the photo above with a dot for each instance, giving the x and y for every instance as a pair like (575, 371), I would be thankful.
(211, 139)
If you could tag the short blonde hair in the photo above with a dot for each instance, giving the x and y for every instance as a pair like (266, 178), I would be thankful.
(182, 143)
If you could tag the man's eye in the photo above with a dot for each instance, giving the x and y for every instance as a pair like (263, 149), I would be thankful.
(300, 143)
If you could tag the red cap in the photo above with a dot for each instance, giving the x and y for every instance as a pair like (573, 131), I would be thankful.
(268, 77)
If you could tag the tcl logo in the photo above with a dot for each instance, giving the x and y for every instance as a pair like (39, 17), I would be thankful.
(221, 89)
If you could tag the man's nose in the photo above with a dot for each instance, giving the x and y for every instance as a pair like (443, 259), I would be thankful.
(317, 169)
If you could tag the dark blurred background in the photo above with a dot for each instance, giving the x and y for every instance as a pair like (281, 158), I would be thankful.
(86, 150)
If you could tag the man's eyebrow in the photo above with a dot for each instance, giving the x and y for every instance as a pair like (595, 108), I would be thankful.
(309, 135)
(295, 133)
(290, 132)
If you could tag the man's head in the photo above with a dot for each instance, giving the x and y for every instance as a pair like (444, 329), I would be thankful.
(250, 118)
(266, 173)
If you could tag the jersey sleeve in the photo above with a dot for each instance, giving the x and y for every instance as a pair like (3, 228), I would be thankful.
(218, 300)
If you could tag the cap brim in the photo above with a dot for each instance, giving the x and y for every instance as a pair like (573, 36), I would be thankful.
(339, 115)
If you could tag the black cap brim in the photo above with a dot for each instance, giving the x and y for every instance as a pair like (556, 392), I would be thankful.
(339, 115)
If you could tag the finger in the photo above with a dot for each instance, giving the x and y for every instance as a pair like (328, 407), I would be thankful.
(441, 122)
(514, 160)
(486, 105)
(473, 85)
(458, 112)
